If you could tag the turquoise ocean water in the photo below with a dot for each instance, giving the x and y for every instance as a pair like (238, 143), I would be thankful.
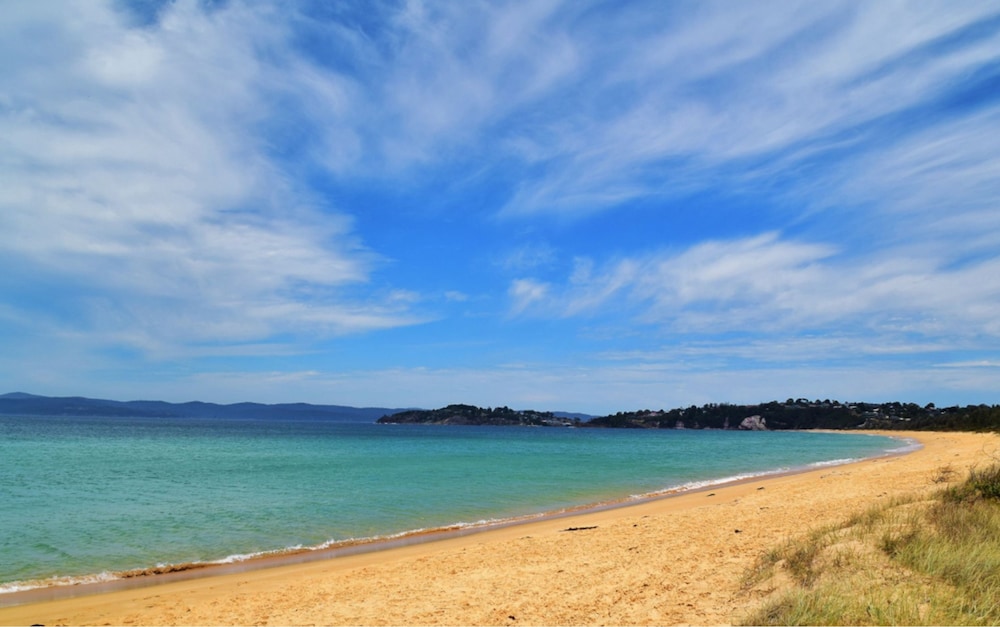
(88, 497)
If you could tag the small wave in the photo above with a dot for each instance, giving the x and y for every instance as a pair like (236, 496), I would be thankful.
(909, 445)
(834, 462)
(245, 557)
(707, 483)
(50, 582)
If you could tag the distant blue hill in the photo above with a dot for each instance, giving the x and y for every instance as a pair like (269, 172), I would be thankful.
(33, 405)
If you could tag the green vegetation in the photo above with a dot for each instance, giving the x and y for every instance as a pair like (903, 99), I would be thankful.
(912, 562)
(471, 415)
(792, 414)
(817, 414)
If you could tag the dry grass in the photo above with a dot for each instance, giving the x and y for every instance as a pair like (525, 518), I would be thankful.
(909, 561)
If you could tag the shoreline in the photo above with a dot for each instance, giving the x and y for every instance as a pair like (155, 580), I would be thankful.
(69, 587)
(675, 559)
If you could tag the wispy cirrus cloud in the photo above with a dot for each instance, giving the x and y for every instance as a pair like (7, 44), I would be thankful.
(137, 165)
(704, 101)
(868, 129)
(770, 284)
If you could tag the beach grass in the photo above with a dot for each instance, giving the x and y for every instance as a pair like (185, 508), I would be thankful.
(910, 561)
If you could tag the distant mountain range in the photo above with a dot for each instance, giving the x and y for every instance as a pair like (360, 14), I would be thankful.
(20, 403)
(792, 414)
(33, 405)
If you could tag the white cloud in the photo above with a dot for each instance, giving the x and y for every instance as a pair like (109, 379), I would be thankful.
(525, 292)
(702, 91)
(770, 284)
(452, 72)
(728, 274)
(527, 257)
(135, 165)
(939, 182)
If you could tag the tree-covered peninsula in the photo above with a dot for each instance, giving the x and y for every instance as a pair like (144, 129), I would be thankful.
(791, 414)
(810, 414)
(471, 415)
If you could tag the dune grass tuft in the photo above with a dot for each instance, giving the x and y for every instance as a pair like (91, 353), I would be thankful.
(909, 561)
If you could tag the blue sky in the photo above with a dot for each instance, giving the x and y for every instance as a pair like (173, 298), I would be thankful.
(586, 206)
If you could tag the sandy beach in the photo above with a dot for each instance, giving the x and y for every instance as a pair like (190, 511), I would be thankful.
(674, 560)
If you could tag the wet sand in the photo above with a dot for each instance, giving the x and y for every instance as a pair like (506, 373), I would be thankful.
(674, 560)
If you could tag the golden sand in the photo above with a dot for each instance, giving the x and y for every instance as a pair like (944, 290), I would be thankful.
(670, 561)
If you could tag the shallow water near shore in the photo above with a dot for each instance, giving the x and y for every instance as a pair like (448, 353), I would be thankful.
(96, 497)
